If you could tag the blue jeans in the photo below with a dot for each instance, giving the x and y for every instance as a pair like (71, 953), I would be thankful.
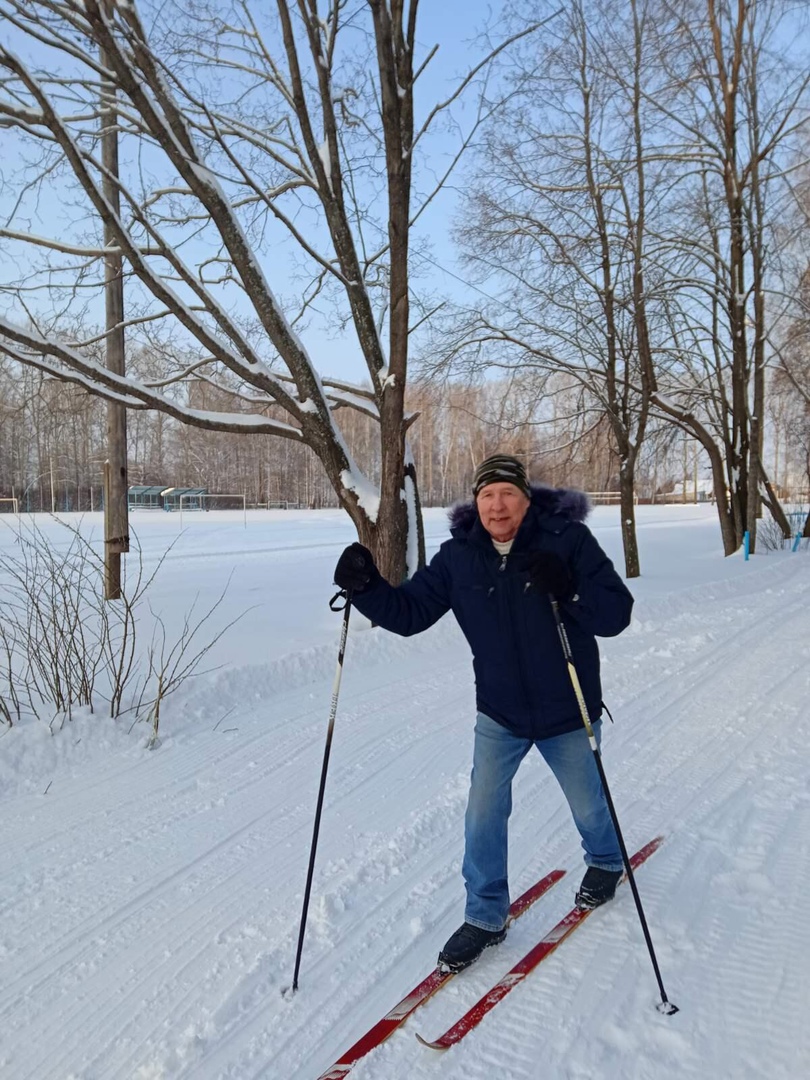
(496, 758)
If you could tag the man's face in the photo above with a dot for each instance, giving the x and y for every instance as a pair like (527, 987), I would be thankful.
(501, 508)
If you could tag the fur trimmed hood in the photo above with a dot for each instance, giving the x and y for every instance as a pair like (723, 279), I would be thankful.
(567, 503)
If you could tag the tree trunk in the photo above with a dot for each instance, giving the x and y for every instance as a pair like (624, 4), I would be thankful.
(628, 455)
(728, 529)
(632, 565)
(116, 507)
(771, 500)
(739, 505)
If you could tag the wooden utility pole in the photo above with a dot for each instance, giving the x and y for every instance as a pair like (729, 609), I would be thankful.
(116, 510)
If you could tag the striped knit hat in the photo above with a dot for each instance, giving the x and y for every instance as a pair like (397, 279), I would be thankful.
(501, 469)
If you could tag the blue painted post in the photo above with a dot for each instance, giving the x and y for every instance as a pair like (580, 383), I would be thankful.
(797, 541)
(747, 544)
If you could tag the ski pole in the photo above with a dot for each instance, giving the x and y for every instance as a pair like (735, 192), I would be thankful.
(664, 1005)
(330, 728)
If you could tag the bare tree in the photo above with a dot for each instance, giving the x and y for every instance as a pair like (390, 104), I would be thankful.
(791, 386)
(242, 127)
(558, 213)
(733, 102)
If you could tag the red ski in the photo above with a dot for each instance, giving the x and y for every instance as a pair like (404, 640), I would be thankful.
(399, 1014)
(541, 950)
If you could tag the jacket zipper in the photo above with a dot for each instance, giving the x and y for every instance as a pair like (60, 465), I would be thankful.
(516, 642)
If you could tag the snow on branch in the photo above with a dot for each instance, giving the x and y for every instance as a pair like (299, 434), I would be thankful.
(60, 360)
(59, 245)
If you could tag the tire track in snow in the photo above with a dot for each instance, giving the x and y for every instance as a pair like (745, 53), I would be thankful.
(168, 809)
(150, 902)
(340, 921)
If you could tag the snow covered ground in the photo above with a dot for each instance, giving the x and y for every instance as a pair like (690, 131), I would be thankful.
(149, 901)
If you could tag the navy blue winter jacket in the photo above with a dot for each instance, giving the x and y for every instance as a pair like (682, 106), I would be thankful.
(521, 678)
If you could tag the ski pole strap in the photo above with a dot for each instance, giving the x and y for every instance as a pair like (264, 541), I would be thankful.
(342, 594)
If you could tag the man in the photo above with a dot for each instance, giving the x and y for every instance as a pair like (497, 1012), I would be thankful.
(514, 548)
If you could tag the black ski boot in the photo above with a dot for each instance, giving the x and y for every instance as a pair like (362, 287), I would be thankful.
(598, 886)
(466, 945)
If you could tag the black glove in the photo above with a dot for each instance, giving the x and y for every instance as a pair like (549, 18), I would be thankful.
(355, 570)
(549, 574)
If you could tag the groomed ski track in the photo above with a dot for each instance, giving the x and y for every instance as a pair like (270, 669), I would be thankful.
(149, 902)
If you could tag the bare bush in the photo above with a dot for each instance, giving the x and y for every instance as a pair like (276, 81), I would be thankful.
(169, 665)
(771, 534)
(62, 647)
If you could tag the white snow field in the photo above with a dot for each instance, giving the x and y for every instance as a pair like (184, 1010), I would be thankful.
(150, 900)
